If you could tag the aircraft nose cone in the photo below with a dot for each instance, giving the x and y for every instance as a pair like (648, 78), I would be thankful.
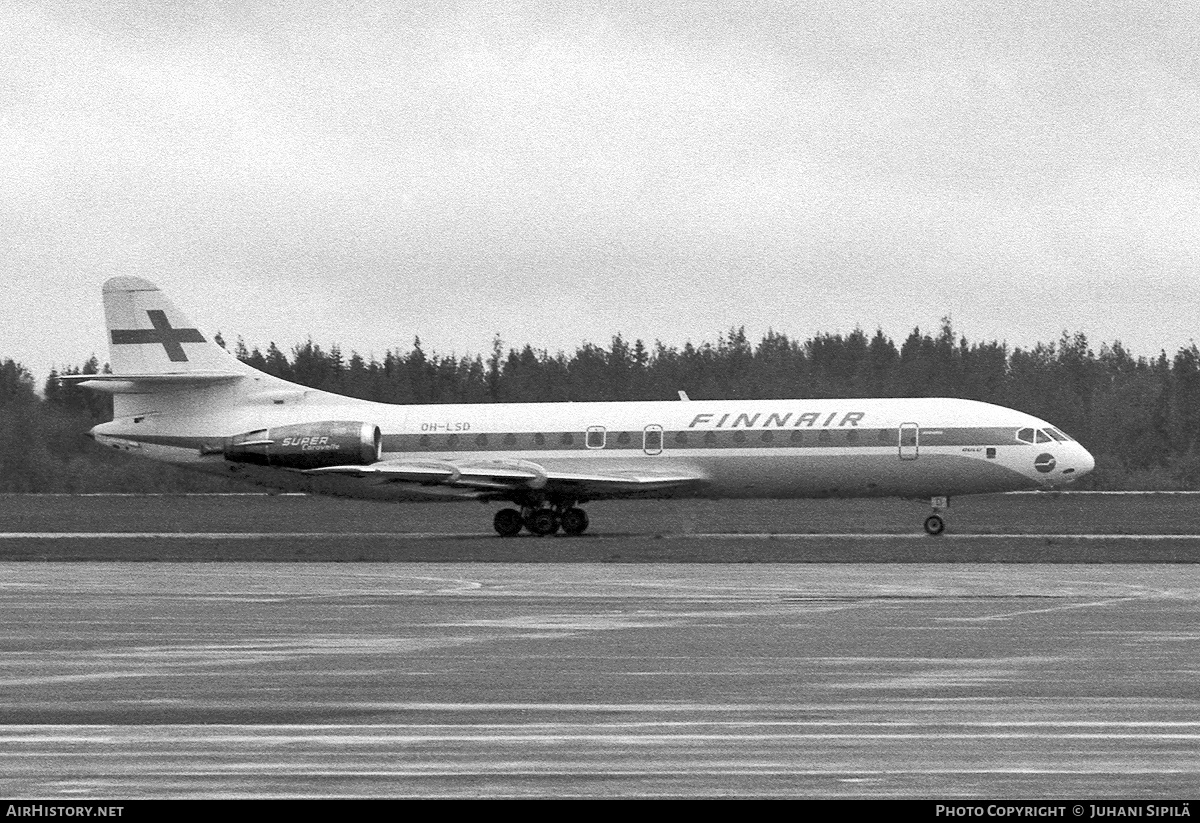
(1069, 465)
(1086, 461)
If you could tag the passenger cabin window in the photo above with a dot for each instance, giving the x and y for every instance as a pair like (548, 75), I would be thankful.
(510, 440)
(623, 438)
(568, 439)
(1025, 435)
(539, 439)
(481, 441)
(681, 438)
(595, 437)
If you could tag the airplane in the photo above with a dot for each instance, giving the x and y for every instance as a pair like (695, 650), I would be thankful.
(179, 397)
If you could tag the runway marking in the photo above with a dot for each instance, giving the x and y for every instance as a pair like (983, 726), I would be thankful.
(342, 742)
(1031, 492)
(582, 539)
(1067, 493)
(934, 705)
(223, 535)
(911, 536)
(171, 494)
(15, 731)
(534, 767)
(1063, 607)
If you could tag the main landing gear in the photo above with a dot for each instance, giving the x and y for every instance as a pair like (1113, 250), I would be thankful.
(934, 524)
(541, 520)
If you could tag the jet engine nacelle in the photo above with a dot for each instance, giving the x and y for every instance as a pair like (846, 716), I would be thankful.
(308, 445)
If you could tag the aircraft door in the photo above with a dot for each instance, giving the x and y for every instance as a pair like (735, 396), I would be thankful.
(910, 437)
(652, 439)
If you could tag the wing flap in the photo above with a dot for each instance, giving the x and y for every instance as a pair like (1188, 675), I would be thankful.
(620, 483)
(486, 475)
(395, 471)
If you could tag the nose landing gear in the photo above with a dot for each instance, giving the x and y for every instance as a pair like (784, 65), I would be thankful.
(934, 524)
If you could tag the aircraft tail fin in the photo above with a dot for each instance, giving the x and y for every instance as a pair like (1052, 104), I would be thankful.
(148, 336)
(160, 361)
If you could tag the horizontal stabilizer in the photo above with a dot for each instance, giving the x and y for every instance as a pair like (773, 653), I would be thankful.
(145, 383)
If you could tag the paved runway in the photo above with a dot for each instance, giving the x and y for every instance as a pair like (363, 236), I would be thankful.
(126, 680)
(1041, 528)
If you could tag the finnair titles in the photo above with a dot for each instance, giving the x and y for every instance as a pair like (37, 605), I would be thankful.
(808, 419)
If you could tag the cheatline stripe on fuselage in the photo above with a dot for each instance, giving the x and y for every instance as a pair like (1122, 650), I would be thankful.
(674, 441)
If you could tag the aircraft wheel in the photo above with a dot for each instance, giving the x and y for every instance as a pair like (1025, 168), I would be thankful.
(934, 524)
(542, 522)
(574, 521)
(507, 522)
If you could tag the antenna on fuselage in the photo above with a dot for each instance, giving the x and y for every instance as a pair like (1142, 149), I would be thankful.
(683, 395)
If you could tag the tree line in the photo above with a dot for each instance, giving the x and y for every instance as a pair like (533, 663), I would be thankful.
(43, 447)
(1139, 416)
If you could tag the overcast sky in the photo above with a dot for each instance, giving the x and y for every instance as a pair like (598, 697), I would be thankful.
(558, 172)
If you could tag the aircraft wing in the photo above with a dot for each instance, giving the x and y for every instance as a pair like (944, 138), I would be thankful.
(499, 476)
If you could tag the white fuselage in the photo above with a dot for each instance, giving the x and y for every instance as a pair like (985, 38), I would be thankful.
(918, 447)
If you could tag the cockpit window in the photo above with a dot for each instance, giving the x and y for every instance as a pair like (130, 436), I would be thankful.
(1025, 435)
(1042, 437)
(1058, 434)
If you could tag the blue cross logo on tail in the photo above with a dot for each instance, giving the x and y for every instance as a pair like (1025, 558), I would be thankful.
(162, 333)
